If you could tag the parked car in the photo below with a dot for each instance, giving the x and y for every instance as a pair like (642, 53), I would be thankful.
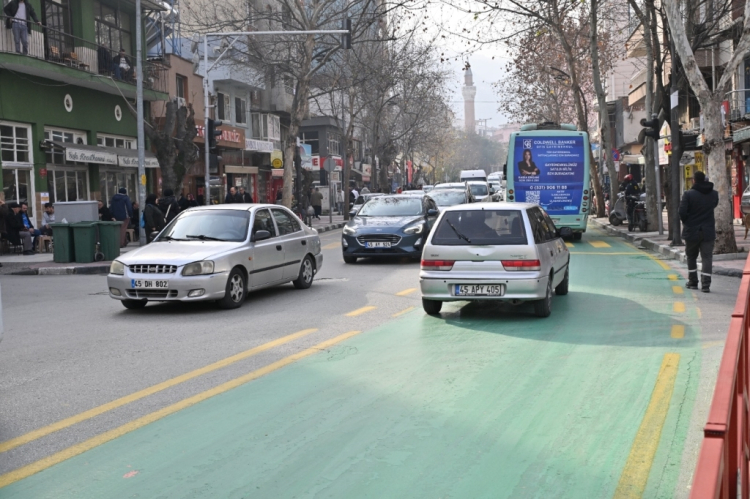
(389, 226)
(509, 252)
(451, 197)
(218, 253)
(481, 191)
(427, 187)
(361, 200)
(473, 175)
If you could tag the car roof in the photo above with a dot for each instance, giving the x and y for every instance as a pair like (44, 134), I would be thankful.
(439, 191)
(235, 206)
(494, 206)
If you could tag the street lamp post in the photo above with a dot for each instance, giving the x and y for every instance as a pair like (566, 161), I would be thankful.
(139, 112)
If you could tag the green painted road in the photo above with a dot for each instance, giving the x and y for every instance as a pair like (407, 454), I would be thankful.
(482, 401)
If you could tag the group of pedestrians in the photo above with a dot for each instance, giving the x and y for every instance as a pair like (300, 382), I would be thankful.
(241, 196)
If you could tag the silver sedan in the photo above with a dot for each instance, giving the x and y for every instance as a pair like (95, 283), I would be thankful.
(218, 253)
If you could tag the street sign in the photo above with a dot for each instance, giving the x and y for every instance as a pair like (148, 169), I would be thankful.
(276, 159)
(329, 165)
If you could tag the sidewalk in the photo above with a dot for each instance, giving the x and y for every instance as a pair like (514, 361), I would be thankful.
(43, 263)
(729, 264)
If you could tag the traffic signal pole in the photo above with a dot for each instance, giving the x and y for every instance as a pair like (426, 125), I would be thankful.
(346, 42)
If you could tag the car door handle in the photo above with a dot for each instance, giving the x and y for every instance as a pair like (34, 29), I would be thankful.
(304, 243)
(278, 247)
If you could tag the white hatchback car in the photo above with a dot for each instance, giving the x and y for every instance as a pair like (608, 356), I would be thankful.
(495, 251)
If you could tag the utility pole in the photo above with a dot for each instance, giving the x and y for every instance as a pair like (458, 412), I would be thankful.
(139, 112)
(676, 155)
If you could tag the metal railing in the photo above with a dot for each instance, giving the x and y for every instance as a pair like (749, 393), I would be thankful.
(739, 104)
(58, 47)
(722, 469)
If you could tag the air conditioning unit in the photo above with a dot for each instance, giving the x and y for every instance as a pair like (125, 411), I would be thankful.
(181, 102)
(695, 123)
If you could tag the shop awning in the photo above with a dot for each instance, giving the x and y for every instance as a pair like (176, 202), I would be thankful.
(115, 156)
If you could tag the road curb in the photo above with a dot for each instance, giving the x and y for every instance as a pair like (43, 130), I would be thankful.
(327, 228)
(672, 253)
(70, 270)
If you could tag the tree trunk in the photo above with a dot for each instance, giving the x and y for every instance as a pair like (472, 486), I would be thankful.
(606, 147)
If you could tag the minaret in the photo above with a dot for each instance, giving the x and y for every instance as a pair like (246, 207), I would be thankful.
(469, 91)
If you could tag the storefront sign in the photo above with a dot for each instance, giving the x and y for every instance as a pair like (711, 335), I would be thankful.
(132, 161)
(86, 156)
(277, 160)
(44, 197)
(741, 134)
(258, 145)
(230, 136)
(277, 173)
(366, 169)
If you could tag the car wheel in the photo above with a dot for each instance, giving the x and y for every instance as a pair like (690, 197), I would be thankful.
(134, 304)
(543, 308)
(577, 236)
(235, 291)
(614, 219)
(431, 307)
(562, 288)
(350, 259)
(306, 274)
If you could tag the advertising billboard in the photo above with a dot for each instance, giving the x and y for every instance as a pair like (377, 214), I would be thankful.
(549, 171)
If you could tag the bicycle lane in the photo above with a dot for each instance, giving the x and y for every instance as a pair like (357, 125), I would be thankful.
(474, 403)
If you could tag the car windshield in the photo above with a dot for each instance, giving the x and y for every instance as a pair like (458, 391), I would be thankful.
(449, 186)
(448, 198)
(480, 227)
(392, 206)
(208, 225)
(479, 189)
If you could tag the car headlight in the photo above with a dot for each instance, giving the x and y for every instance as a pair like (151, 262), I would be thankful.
(199, 268)
(415, 228)
(350, 231)
(117, 268)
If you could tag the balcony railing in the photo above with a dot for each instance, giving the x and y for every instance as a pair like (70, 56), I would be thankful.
(58, 47)
(739, 104)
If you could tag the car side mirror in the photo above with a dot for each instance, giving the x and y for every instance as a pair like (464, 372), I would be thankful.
(432, 213)
(565, 232)
(353, 213)
(261, 235)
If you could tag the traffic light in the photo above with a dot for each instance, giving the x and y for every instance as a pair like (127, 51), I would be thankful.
(212, 133)
(346, 38)
(651, 129)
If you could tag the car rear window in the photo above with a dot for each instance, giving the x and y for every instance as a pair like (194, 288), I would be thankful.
(480, 227)
(479, 189)
(448, 198)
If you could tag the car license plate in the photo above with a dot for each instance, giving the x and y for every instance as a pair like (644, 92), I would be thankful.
(379, 244)
(478, 290)
(148, 284)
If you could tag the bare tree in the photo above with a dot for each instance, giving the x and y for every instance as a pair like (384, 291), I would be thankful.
(172, 137)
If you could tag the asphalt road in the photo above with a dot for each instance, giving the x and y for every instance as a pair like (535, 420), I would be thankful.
(386, 400)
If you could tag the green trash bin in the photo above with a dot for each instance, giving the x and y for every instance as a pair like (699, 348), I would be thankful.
(84, 241)
(62, 243)
(109, 238)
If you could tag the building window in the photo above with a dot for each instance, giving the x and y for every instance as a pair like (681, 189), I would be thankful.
(14, 144)
(333, 145)
(57, 156)
(240, 110)
(110, 181)
(17, 186)
(115, 141)
(260, 126)
(68, 185)
(181, 85)
(312, 139)
(56, 15)
(112, 28)
(223, 111)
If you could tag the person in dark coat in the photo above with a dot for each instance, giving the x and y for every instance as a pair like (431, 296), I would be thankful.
(19, 14)
(104, 214)
(191, 202)
(232, 196)
(135, 220)
(122, 211)
(153, 218)
(699, 229)
(17, 233)
(245, 196)
(168, 205)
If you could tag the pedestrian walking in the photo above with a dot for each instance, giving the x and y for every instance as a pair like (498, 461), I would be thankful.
(153, 218)
(340, 201)
(168, 205)
(699, 229)
(316, 200)
(122, 211)
(19, 14)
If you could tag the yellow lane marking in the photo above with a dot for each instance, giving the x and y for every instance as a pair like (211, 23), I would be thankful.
(127, 399)
(337, 244)
(672, 277)
(102, 438)
(605, 254)
(599, 244)
(360, 311)
(700, 314)
(661, 263)
(406, 292)
(635, 473)
(678, 307)
(404, 311)
(570, 245)
(678, 290)
(678, 331)
(710, 344)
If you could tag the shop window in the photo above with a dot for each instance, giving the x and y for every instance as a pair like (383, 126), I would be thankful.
(17, 186)
(14, 144)
(57, 156)
(115, 141)
(181, 86)
(111, 181)
(240, 110)
(65, 185)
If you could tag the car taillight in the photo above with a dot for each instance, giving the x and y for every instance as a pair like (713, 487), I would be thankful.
(437, 264)
(517, 265)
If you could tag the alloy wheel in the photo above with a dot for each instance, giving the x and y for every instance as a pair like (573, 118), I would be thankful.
(237, 288)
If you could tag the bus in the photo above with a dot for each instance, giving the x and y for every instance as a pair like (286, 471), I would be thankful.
(550, 167)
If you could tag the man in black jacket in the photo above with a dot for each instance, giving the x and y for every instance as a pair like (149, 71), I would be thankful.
(17, 232)
(699, 229)
(19, 14)
(168, 205)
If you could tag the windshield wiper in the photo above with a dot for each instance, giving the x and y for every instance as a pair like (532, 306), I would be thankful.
(170, 238)
(203, 237)
(458, 233)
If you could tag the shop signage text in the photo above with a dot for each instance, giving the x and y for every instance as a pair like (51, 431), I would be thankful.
(81, 156)
(258, 145)
(230, 136)
(132, 161)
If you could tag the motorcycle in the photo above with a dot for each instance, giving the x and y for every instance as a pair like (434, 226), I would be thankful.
(620, 211)
(640, 220)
